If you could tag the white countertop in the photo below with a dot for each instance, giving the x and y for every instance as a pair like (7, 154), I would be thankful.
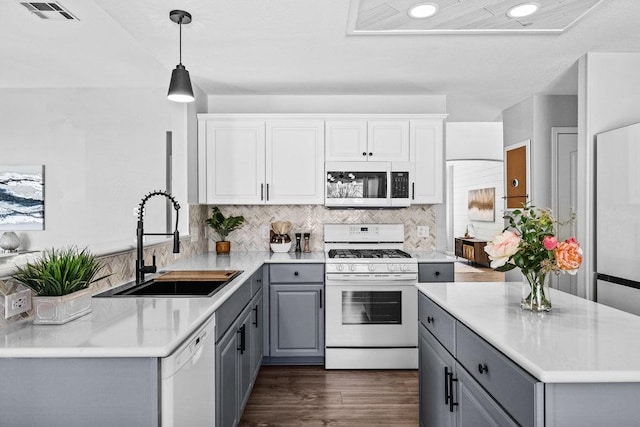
(135, 326)
(432, 256)
(578, 341)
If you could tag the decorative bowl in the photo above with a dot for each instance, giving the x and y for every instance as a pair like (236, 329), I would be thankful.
(280, 247)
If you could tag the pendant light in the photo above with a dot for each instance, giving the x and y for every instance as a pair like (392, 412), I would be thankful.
(180, 86)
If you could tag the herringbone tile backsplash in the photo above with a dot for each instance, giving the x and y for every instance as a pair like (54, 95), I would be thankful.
(311, 218)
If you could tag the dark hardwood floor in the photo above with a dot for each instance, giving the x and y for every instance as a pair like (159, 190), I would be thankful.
(313, 396)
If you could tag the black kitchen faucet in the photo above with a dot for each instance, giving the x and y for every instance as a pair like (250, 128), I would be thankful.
(141, 269)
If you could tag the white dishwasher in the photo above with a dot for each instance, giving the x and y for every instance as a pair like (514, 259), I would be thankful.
(188, 384)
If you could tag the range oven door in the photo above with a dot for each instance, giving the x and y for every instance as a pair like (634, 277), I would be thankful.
(370, 311)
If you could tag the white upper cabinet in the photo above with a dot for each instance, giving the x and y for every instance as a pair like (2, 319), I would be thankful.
(362, 140)
(231, 161)
(346, 140)
(256, 159)
(295, 162)
(427, 160)
(388, 140)
(252, 162)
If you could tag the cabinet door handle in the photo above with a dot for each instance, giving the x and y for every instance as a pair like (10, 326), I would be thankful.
(430, 319)
(242, 347)
(437, 273)
(370, 154)
(262, 191)
(451, 401)
(413, 191)
(267, 192)
(256, 310)
(482, 368)
(364, 154)
(295, 273)
(320, 298)
(446, 385)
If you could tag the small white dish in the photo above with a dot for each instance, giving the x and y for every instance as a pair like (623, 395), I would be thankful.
(280, 247)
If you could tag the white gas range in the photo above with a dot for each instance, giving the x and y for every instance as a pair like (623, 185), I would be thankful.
(371, 298)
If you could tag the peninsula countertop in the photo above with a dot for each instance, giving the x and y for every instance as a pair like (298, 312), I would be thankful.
(139, 326)
(579, 341)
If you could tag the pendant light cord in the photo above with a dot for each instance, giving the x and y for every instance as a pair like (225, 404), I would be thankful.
(180, 40)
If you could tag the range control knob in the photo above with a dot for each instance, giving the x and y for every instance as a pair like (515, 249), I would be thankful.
(391, 267)
(339, 267)
(371, 267)
(352, 267)
(403, 268)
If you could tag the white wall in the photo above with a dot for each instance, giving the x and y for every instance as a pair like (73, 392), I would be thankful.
(474, 140)
(424, 104)
(103, 150)
(609, 90)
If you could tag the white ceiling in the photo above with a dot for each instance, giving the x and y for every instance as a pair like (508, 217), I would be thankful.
(299, 47)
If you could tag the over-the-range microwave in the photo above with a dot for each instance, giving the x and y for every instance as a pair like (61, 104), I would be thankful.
(367, 184)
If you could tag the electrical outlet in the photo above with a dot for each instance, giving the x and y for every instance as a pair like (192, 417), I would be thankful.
(17, 303)
(423, 231)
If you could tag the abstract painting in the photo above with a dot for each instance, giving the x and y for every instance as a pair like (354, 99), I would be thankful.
(22, 197)
(481, 204)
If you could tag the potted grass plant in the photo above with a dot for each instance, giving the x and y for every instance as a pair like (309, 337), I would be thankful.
(223, 226)
(60, 280)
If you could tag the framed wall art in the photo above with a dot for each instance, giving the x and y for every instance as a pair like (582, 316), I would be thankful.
(481, 204)
(21, 197)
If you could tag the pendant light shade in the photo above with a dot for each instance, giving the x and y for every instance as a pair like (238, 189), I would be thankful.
(180, 89)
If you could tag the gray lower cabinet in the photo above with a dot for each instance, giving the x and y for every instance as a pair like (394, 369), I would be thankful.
(296, 311)
(238, 352)
(466, 382)
(297, 320)
(435, 363)
(79, 392)
(227, 372)
(257, 335)
(436, 272)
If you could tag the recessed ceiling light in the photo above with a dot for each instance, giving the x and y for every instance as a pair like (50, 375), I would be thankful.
(423, 10)
(522, 10)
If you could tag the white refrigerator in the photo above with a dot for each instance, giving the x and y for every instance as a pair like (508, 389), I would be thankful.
(618, 218)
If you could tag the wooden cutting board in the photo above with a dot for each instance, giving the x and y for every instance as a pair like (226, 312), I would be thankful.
(198, 276)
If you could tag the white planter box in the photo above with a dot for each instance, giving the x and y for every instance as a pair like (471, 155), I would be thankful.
(59, 310)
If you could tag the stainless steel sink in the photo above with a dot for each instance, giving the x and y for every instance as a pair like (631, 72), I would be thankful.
(170, 288)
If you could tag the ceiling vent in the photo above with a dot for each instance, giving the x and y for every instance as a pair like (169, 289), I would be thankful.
(50, 11)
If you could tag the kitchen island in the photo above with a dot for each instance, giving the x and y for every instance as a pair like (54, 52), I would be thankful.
(576, 365)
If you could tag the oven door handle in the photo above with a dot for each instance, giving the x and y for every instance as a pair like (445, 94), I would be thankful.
(351, 278)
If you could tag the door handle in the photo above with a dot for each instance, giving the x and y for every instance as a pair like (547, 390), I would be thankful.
(446, 385)
(241, 331)
(413, 191)
(320, 298)
(256, 311)
(267, 192)
(451, 402)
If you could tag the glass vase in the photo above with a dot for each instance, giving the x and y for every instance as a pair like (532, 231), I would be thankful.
(535, 292)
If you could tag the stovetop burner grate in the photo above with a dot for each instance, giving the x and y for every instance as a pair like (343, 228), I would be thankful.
(368, 253)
